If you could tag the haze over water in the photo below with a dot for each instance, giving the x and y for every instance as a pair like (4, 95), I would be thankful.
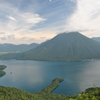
(33, 76)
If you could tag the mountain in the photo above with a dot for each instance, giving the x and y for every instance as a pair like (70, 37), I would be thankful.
(70, 46)
(16, 48)
(96, 39)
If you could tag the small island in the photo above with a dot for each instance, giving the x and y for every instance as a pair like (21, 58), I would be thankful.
(2, 72)
(1, 68)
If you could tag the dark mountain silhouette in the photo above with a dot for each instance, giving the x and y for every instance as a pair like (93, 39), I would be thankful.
(71, 46)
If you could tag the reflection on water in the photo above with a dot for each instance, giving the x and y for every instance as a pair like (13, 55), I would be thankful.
(1, 75)
(91, 75)
(33, 76)
(2, 68)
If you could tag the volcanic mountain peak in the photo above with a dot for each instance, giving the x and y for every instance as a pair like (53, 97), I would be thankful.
(65, 47)
(70, 46)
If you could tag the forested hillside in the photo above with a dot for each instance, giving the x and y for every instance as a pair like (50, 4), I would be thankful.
(10, 93)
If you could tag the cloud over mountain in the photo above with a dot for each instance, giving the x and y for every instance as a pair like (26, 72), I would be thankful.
(46, 18)
(86, 17)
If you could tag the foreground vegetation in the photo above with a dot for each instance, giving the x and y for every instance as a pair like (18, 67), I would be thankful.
(10, 93)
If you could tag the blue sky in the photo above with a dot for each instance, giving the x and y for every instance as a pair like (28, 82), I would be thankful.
(29, 21)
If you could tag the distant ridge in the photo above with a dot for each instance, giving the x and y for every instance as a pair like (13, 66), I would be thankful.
(70, 46)
(96, 39)
(7, 47)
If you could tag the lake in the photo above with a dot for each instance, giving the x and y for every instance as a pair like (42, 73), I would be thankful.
(33, 76)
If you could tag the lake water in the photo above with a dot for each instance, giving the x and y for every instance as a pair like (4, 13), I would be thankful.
(33, 76)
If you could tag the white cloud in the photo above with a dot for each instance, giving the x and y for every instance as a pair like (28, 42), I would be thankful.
(15, 24)
(31, 18)
(2, 33)
(22, 22)
(8, 37)
(12, 18)
(85, 17)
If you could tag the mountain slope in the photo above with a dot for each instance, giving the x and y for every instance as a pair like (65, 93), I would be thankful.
(65, 47)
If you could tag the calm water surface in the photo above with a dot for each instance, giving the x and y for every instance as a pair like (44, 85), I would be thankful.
(33, 76)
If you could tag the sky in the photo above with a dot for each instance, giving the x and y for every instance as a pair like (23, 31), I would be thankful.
(35, 21)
